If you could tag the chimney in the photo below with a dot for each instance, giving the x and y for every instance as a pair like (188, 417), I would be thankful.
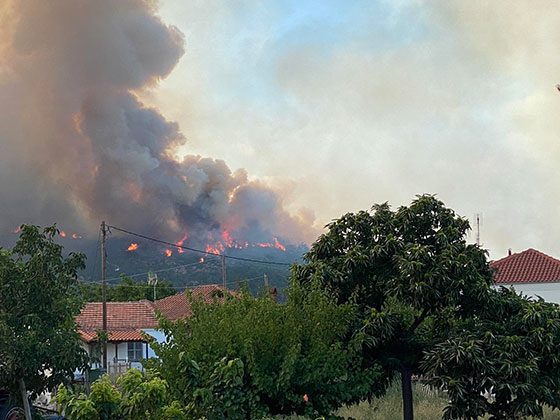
(509, 252)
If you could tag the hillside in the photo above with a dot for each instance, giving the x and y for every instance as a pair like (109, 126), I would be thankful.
(188, 268)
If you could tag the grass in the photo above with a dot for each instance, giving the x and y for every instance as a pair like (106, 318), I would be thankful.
(428, 405)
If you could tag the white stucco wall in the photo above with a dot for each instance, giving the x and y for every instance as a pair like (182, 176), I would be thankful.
(158, 335)
(120, 350)
(550, 292)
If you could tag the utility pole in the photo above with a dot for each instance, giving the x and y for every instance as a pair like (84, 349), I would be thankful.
(224, 277)
(104, 290)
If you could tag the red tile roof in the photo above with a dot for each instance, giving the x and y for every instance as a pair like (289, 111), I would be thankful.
(118, 335)
(179, 306)
(125, 320)
(529, 266)
(120, 315)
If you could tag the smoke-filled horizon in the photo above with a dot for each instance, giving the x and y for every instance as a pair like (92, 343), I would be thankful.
(78, 145)
(347, 104)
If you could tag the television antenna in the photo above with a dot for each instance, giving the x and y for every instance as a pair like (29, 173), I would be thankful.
(152, 281)
(478, 221)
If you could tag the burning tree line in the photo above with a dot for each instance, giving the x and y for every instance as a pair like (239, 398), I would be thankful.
(217, 247)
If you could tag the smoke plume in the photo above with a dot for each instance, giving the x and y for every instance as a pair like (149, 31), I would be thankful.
(77, 145)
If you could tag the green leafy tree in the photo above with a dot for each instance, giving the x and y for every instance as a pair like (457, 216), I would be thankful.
(244, 357)
(135, 395)
(39, 299)
(127, 290)
(504, 362)
(410, 271)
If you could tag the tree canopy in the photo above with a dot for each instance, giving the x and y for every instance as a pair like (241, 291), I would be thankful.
(503, 362)
(39, 299)
(127, 290)
(135, 395)
(245, 357)
(409, 271)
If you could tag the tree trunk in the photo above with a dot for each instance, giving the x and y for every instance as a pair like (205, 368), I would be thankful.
(406, 384)
(25, 400)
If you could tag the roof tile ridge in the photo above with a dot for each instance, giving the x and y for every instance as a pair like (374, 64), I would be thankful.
(158, 301)
(548, 257)
(515, 255)
(148, 303)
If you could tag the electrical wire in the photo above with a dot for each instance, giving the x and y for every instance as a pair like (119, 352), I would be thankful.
(231, 257)
(180, 287)
(147, 272)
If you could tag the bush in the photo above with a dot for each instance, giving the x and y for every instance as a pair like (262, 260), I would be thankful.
(251, 357)
(135, 395)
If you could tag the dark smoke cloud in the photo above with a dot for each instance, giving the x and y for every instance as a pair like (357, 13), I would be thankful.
(78, 146)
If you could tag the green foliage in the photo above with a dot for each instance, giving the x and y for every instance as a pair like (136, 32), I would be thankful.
(142, 397)
(105, 398)
(135, 395)
(39, 299)
(245, 357)
(407, 270)
(127, 290)
(503, 362)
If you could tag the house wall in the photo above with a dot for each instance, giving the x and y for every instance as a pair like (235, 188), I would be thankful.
(158, 335)
(550, 292)
(119, 351)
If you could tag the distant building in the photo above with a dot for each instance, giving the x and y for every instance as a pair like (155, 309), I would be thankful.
(530, 272)
(128, 322)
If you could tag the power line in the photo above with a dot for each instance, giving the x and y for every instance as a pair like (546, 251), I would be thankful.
(146, 272)
(179, 287)
(198, 250)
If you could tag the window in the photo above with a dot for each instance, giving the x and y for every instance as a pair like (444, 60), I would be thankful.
(135, 349)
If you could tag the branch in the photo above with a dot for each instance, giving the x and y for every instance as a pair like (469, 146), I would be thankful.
(418, 320)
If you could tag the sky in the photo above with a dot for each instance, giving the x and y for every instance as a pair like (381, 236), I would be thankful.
(265, 118)
(341, 105)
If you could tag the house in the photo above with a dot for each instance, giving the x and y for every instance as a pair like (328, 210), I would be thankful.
(128, 323)
(530, 272)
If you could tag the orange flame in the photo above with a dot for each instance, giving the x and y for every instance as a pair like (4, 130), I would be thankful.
(62, 233)
(180, 243)
(168, 253)
(218, 248)
(76, 236)
(228, 240)
(132, 247)
(279, 245)
(17, 230)
(274, 244)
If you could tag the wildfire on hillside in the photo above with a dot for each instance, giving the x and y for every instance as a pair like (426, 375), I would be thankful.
(180, 242)
(61, 233)
(227, 242)
(220, 246)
